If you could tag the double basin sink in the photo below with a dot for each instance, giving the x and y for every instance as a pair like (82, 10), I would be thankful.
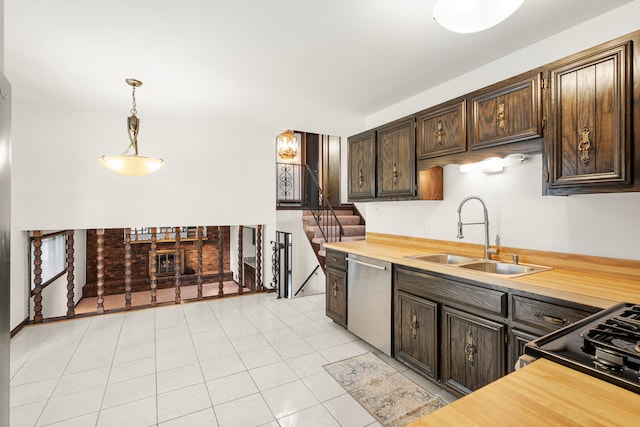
(493, 268)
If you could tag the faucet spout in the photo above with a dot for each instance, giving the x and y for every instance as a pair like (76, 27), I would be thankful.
(485, 223)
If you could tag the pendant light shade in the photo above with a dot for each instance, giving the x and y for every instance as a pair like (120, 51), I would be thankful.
(471, 16)
(132, 164)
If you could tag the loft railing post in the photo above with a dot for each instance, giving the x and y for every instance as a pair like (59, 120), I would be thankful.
(199, 277)
(240, 258)
(220, 264)
(127, 269)
(71, 310)
(177, 263)
(37, 276)
(153, 267)
(259, 284)
(100, 270)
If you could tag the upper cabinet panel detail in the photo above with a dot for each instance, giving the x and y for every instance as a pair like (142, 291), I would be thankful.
(362, 166)
(508, 112)
(396, 159)
(442, 130)
(589, 138)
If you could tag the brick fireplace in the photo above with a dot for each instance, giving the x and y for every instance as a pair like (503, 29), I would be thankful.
(114, 261)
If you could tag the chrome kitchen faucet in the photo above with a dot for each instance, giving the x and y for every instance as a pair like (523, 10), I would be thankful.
(487, 251)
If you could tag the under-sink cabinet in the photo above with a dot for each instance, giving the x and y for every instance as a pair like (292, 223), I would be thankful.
(416, 334)
(465, 334)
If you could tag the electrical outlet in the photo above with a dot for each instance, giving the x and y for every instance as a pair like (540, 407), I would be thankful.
(427, 227)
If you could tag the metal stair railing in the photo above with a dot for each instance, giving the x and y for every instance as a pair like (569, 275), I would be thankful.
(322, 211)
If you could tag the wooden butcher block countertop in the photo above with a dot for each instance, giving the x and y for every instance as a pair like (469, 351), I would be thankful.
(543, 393)
(595, 281)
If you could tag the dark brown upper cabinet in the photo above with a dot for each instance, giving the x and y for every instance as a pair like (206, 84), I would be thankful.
(397, 159)
(442, 130)
(588, 144)
(362, 166)
(506, 112)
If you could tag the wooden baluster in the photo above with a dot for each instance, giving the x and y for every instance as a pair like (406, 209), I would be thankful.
(71, 307)
(177, 264)
(259, 284)
(220, 264)
(37, 276)
(199, 277)
(240, 258)
(127, 269)
(153, 267)
(100, 270)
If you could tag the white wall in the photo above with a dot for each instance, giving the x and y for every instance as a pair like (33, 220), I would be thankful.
(604, 225)
(304, 259)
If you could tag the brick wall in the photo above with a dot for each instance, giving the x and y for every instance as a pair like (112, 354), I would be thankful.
(114, 260)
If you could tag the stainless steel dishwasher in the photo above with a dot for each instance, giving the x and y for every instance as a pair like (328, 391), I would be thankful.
(369, 301)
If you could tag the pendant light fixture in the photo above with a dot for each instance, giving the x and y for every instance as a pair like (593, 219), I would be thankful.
(132, 164)
(471, 16)
(287, 145)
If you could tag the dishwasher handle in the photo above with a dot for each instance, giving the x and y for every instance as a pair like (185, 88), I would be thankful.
(366, 264)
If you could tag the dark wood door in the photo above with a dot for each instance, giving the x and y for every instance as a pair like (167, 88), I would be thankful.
(397, 159)
(331, 169)
(507, 112)
(362, 166)
(588, 143)
(336, 296)
(416, 333)
(442, 130)
(516, 346)
(473, 350)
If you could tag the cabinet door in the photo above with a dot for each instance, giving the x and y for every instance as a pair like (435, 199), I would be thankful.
(416, 333)
(508, 112)
(397, 159)
(516, 346)
(336, 296)
(473, 351)
(362, 166)
(442, 130)
(588, 143)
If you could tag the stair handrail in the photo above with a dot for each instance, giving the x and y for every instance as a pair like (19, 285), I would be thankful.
(319, 213)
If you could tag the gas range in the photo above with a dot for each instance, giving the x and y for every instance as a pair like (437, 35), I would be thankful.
(605, 345)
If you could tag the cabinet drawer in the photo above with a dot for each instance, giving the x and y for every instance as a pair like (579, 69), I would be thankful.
(446, 290)
(336, 259)
(544, 315)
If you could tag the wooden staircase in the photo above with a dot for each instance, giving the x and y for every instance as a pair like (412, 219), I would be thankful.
(352, 223)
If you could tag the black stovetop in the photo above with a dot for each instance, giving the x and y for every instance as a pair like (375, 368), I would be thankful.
(591, 345)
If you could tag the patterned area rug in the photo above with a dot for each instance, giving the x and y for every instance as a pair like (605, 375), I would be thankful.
(393, 399)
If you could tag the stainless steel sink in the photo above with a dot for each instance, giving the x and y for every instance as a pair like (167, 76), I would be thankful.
(503, 269)
(443, 258)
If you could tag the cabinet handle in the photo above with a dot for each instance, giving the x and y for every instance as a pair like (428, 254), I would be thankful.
(394, 174)
(334, 288)
(360, 178)
(501, 117)
(470, 349)
(440, 133)
(551, 319)
(413, 325)
(585, 145)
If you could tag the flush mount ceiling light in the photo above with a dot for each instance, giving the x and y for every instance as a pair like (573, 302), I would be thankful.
(132, 164)
(287, 145)
(471, 16)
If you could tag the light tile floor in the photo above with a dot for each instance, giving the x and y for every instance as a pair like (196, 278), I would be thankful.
(245, 361)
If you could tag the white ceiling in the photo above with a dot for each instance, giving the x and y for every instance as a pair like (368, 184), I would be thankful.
(255, 57)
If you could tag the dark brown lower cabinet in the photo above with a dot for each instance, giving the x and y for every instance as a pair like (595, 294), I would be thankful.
(473, 350)
(517, 342)
(336, 296)
(416, 333)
